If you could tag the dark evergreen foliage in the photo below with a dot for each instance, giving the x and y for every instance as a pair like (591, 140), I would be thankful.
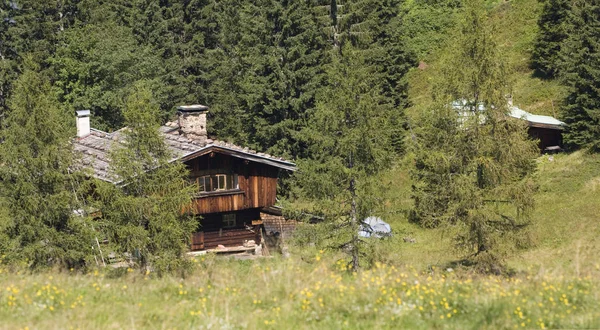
(29, 28)
(580, 71)
(269, 65)
(553, 25)
(95, 67)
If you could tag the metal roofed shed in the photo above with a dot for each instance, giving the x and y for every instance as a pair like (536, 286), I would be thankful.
(537, 120)
(546, 129)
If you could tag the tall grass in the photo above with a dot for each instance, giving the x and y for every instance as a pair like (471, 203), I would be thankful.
(318, 294)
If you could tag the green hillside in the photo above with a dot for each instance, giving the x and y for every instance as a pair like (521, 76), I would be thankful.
(564, 231)
(565, 226)
(516, 28)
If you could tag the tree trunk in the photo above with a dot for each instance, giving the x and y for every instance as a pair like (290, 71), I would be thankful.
(354, 227)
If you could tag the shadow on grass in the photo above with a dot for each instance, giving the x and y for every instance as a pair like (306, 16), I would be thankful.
(470, 266)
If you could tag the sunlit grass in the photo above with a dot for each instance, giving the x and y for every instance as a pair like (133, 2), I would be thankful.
(273, 293)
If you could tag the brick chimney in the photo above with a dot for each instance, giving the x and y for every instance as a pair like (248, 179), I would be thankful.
(192, 121)
(83, 123)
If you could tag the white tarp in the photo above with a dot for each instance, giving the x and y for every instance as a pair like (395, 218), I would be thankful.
(375, 227)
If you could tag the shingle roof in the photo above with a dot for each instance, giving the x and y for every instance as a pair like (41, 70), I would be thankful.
(94, 150)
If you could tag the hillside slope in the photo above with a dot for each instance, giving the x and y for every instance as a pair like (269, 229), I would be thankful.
(516, 28)
(565, 224)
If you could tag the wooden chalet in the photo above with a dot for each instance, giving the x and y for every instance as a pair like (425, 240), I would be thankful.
(236, 186)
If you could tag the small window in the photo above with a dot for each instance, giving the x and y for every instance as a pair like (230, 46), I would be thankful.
(221, 182)
(229, 220)
(217, 182)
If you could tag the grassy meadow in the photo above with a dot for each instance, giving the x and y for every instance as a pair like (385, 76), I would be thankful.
(555, 283)
(319, 294)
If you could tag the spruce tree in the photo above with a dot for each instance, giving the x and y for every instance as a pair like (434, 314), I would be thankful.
(38, 183)
(95, 67)
(300, 55)
(376, 27)
(580, 72)
(8, 70)
(147, 215)
(553, 30)
(182, 35)
(29, 28)
(473, 162)
(237, 69)
(268, 65)
(349, 138)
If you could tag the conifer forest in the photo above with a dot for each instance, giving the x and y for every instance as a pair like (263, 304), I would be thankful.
(313, 164)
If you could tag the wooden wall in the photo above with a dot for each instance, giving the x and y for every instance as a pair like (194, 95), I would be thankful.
(211, 232)
(548, 137)
(257, 183)
(213, 221)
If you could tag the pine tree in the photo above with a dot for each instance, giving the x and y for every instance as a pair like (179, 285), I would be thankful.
(349, 145)
(580, 72)
(38, 185)
(553, 25)
(473, 163)
(147, 215)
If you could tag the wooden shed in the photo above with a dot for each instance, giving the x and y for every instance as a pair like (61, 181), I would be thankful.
(548, 130)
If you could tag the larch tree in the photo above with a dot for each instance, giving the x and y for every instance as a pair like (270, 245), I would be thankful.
(147, 216)
(473, 162)
(580, 72)
(38, 180)
(350, 143)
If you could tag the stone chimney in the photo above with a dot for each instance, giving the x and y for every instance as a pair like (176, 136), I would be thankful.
(192, 121)
(83, 123)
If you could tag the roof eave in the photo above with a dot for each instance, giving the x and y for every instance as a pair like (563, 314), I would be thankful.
(243, 155)
(547, 126)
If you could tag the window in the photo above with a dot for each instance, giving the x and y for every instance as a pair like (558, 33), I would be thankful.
(229, 220)
(217, 182)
